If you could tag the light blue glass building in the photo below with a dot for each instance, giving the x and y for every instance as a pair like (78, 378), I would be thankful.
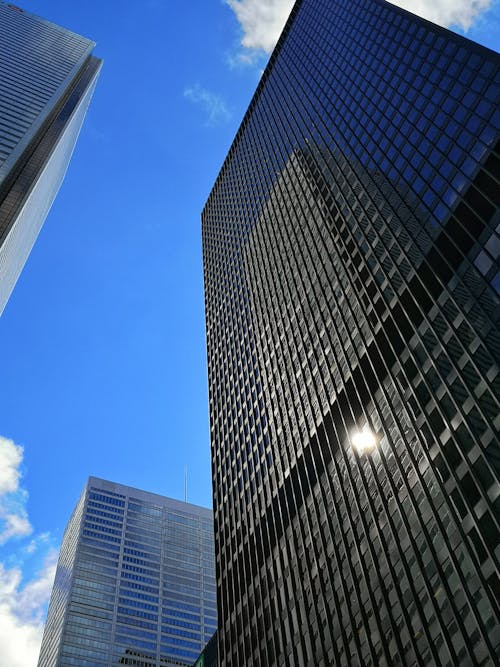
(47, 77)
(135, 582)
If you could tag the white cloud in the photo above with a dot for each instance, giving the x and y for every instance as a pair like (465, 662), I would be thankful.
(446, 13)
(36, 593)
(22, 611)
(15, 525)
(13, 516)
(263, 20)
(23, 599)
(215, 108)
(11, 456)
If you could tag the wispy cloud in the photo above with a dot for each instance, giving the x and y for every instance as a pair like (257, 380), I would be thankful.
(262, 21)
(23, 597)
(215, 108)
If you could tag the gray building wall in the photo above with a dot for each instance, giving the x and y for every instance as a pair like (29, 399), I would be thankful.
(47, 78)
(135, 582)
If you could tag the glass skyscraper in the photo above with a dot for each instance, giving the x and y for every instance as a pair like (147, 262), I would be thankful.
(135, 582)
(47, 77)
(350, 248)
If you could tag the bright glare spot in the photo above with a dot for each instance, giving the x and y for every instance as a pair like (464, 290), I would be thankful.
(364, 441)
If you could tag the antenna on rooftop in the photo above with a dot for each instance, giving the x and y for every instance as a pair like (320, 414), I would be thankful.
(185, 484)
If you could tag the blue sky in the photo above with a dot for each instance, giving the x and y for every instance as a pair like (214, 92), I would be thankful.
(103, 369)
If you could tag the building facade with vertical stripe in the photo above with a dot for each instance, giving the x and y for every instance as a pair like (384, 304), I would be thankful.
(135, 582)
(352, 282)
(47, 78)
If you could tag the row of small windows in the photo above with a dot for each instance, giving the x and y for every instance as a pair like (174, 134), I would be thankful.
(104, 533)
(139, 605)
(130, 593)
(137, 577)
(94, 522)
(142, 554)
(108, 500)
(100, 507)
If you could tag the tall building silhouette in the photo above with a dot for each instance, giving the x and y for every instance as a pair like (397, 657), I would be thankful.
(47, 77)
(350, 250)
(135, 582)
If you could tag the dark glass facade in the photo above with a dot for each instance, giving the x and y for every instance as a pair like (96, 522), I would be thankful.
(351, 247)
(47, 78)
(135, 582)
(208, 657)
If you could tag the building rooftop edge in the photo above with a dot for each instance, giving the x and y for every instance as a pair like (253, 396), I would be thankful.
(15, 7)
(148, 496)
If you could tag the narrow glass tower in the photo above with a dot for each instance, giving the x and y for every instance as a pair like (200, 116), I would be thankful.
(134, 583)
(47, 77)
(350, 250)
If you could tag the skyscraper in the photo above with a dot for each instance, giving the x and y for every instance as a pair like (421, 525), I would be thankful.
(350, 250)
(134, 583)
(47, 77)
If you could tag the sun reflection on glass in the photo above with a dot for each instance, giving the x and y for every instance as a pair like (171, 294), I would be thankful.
(364, 441)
